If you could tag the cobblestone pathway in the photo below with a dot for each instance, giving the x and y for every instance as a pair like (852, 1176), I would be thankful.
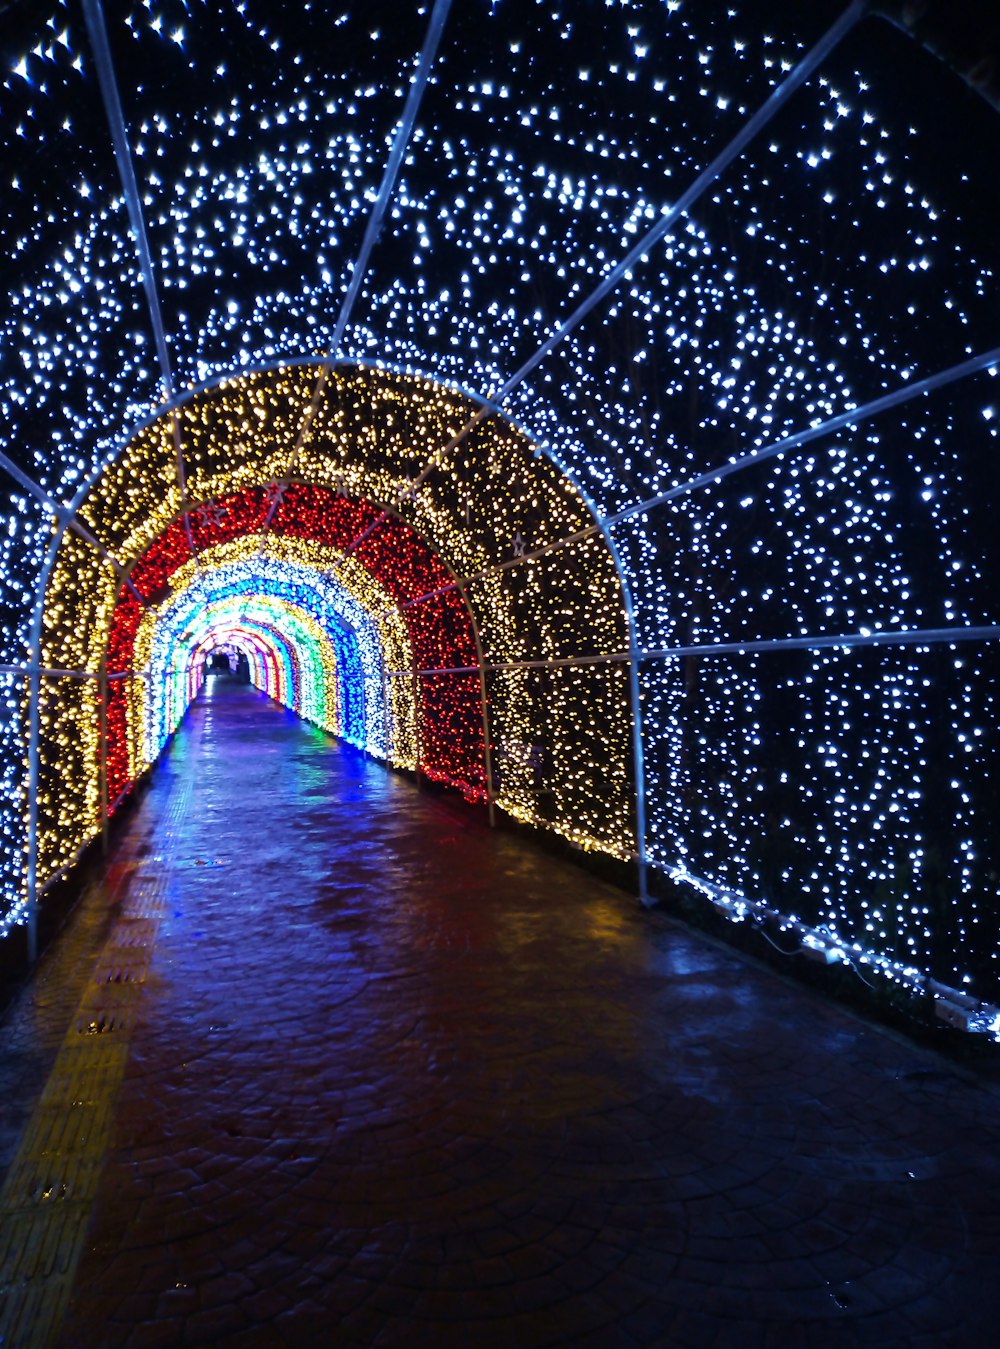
(381, 1076)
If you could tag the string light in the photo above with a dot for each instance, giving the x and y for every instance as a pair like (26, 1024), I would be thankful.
(360, 624)
(841, 256)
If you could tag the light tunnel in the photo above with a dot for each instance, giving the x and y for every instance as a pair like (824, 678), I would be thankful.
(331, 669)
(292, 657)
(398, 628)
(593, 412)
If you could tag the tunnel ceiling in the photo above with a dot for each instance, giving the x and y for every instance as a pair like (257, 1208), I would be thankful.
(664, 336)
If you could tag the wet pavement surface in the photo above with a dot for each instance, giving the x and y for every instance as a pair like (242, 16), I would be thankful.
(388, 1077)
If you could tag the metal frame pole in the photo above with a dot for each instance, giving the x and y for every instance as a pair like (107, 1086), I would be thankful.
(34, 736)
(638, 744)
(97, 33)
(386, 714)
(484, 706)
(415, 692)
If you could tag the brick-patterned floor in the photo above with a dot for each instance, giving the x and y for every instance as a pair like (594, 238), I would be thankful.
(395, 1079)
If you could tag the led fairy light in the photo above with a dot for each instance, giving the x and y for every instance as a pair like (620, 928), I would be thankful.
(565, 603)
(305, 672)
(303, 566)
(728, 335)
(11, 804)
(354, 679)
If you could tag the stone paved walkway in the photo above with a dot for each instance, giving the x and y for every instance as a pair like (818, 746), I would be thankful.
(394, 1079)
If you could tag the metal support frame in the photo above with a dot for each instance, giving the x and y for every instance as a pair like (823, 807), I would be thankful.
(386, 714)
(485, 710)
(458, 584)
(98, 34)
(67, 518)
(404, 130)
(417, 697)
(332, 571)
(638, 253)
(638, 744)
(840, 641)
(34, 737)
(29, 669)
(48, 673)
(504, 667)
(636, 654)
(102, 748)
(844, 641)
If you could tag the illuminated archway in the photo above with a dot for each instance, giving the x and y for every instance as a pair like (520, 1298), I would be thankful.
(337, 681)
(651, 393)
(483, 629)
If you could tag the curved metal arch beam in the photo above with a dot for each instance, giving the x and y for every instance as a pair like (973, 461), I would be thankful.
(348, 608)
(476, 637)
(963, 37)
(230, 581)
(603, 524)
(188, 395)
(347, 660)
(240, 635)
(93, 14)
(404, 130)
(487, 407)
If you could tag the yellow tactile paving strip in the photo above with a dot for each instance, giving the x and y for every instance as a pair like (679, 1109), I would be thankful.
(49, 1190)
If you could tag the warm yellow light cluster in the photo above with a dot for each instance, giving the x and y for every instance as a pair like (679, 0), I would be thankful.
(82, 590)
